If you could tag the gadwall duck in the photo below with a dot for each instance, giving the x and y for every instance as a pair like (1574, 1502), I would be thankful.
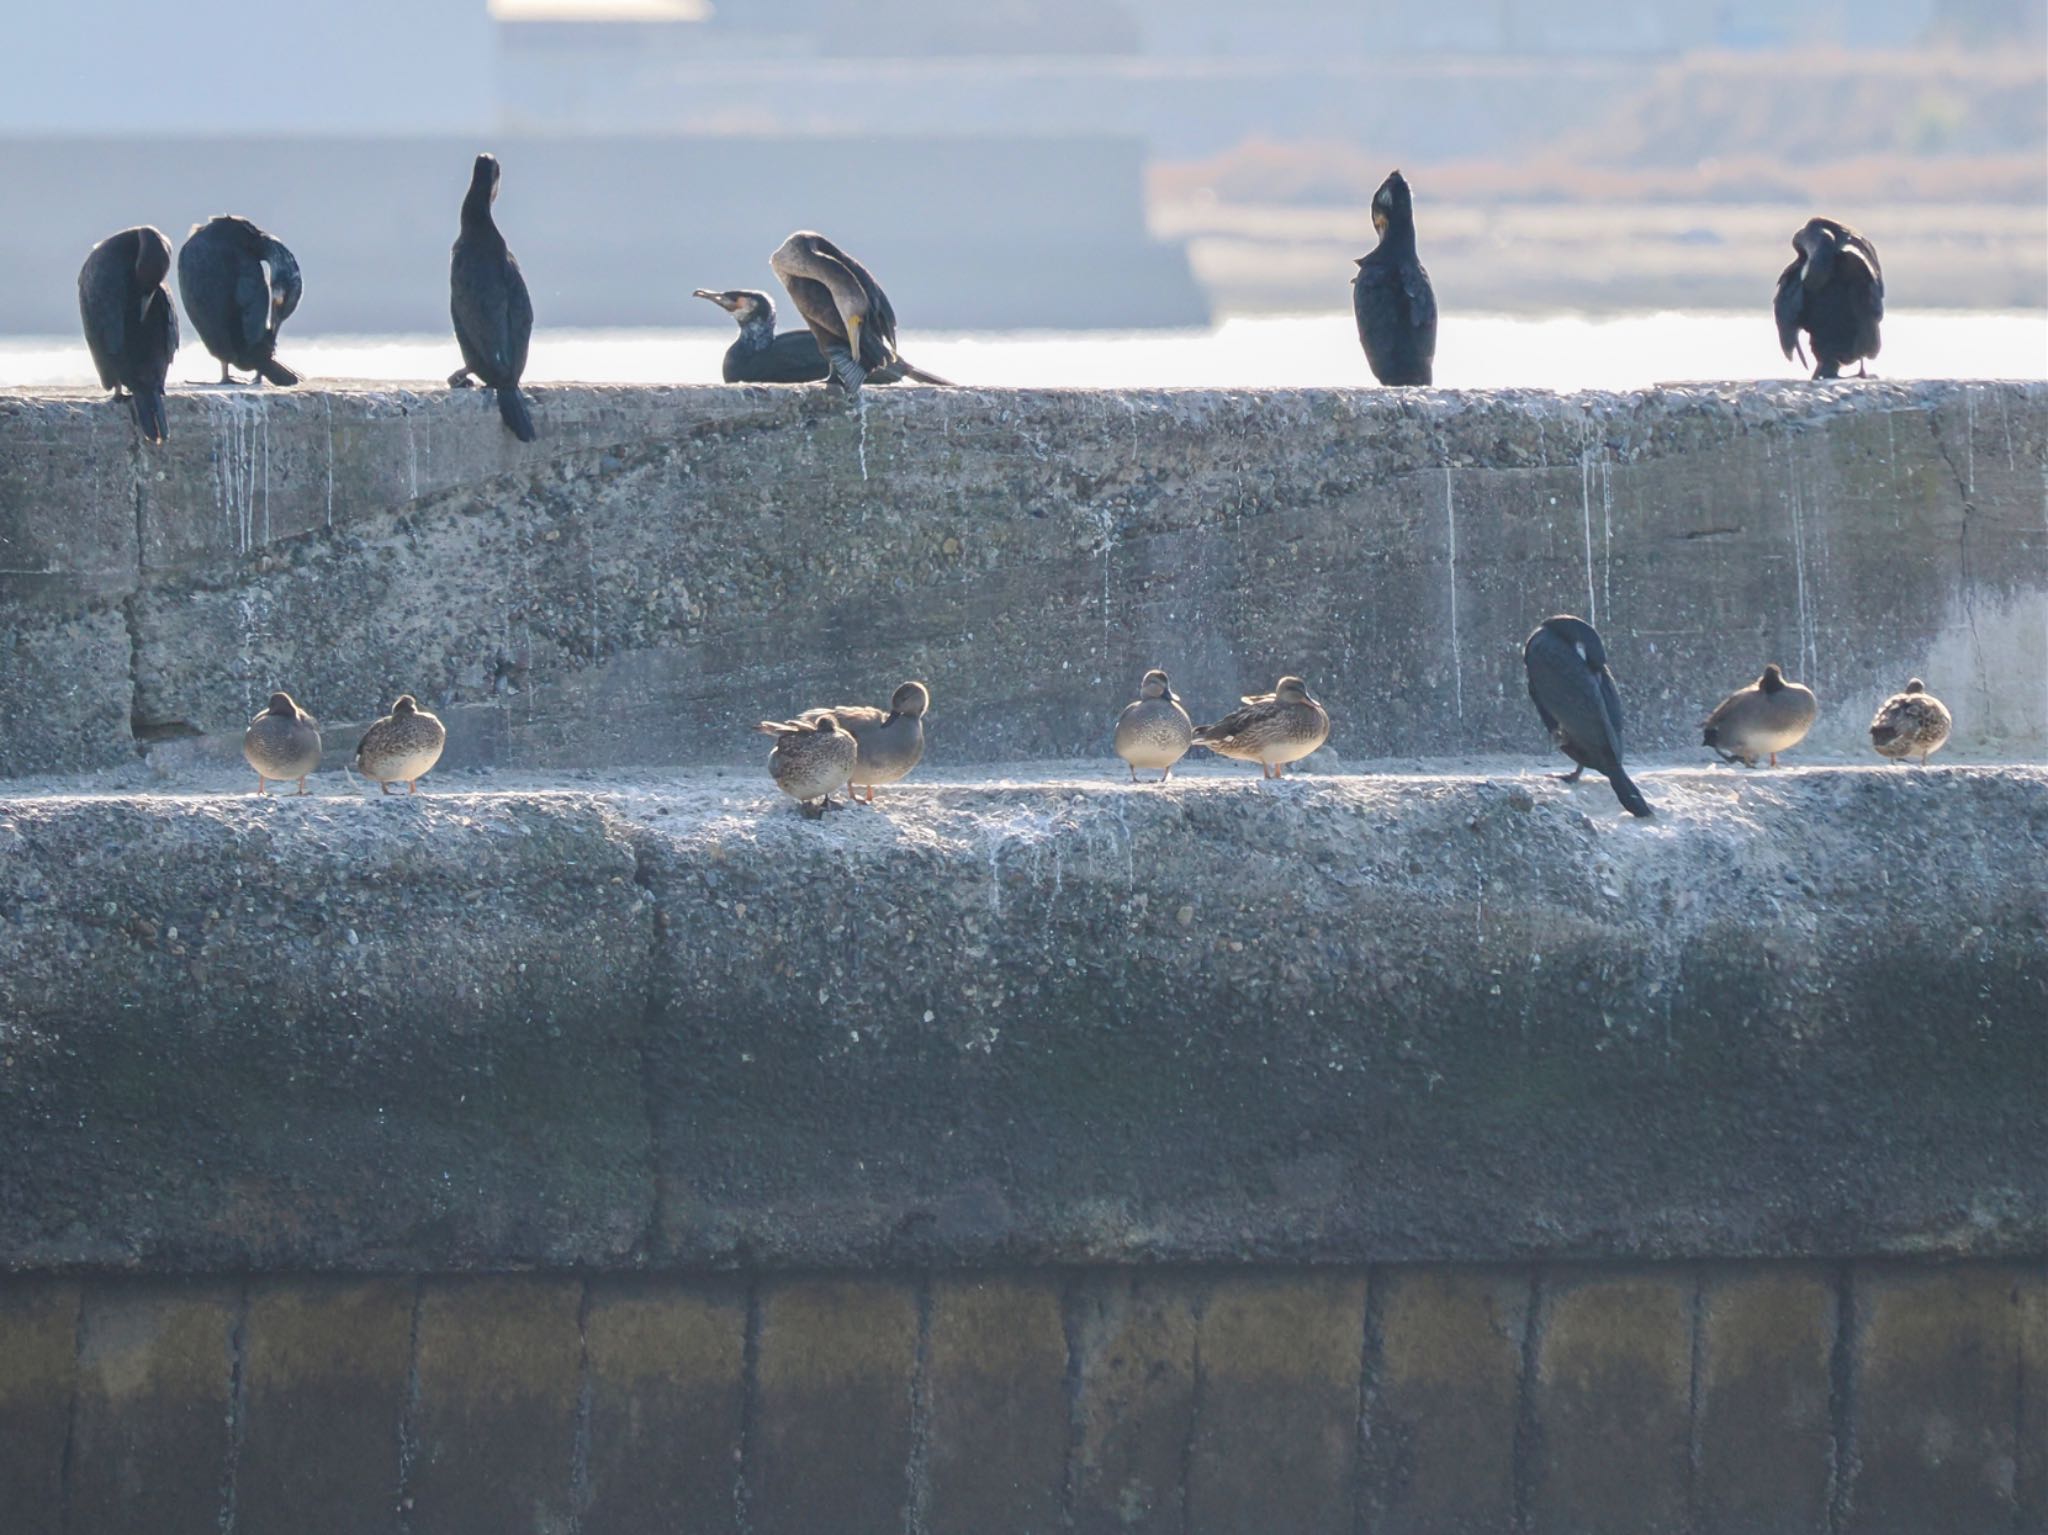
(813, 756)
(1154, 731)
(1272, 729)
(401, 747)
(282, 743)
(1769, 716)
(891, 740)
(1911, 722)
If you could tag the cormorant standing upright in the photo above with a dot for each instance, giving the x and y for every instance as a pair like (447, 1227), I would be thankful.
(1581, 708)
(846, 310)
(1391, 295)
(1834, 291)
(131, 328)
(760, 356)
(231, 301)
(487, 298)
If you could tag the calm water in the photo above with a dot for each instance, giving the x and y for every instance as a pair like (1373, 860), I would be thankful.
(1473, 351)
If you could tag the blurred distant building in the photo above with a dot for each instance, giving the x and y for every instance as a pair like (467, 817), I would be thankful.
(364, 66)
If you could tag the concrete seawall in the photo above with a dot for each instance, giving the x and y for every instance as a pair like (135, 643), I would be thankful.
(667, 565)
(590, 1148)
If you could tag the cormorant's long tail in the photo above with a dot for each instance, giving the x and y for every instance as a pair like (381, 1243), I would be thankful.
(918, 375)
(278, 373)
(512, 406)
(1630, 796)
(149, 413)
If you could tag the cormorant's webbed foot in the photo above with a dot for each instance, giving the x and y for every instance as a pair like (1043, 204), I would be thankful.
(459, 379)
(846, 370)
(1573, 776)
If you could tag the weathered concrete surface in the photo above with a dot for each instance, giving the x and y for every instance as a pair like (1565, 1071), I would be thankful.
(1460, 1401)
(666, 565)
(1801, 1013)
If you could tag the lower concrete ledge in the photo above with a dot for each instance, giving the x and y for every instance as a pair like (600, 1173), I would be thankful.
(1849, 1399)
(1341, 1020)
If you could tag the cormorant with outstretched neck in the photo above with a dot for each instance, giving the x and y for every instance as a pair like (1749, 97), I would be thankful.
(1581, 708)
(760, 356)
(239, 285)
(131, 329)
(846, 309)
(1391, 295)
(1834, 292)
(487, 298)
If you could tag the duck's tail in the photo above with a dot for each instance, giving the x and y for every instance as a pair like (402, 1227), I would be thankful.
(512, 406)
(1630, 796)
(149, 414)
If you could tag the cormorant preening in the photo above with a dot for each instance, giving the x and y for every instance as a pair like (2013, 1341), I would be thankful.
(1391, 296)
(131, 329)
(1575, 694)
(1834, 292)
(846, 310)
(760, 356)
(231, 301)
(487, 297)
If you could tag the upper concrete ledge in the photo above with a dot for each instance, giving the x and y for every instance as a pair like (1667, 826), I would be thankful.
(668, 563)
(1027, 1019)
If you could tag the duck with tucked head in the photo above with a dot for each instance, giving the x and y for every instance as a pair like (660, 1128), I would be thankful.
(1769, 716)
(1910, 723)
(401, 747)
(1154, 730)
(812, 757)
(1271, 729)
(891, 740)
(282, 743)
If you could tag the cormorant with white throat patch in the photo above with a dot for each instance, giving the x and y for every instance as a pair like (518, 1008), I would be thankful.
(846, 309)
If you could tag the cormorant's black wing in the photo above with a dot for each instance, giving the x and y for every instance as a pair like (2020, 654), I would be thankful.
(791, 358)
(1789, 308)
(103, 307)
(1859, 250)
(518, 317)
(252, 303)
(1574, 703)
(1421, 310)
(878, 335)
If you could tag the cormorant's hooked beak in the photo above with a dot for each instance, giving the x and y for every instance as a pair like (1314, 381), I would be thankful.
(728, 304)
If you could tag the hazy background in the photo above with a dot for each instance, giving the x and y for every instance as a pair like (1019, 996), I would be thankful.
(1060, 165)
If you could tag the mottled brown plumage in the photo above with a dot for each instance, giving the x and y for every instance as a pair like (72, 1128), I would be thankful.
(1911, 723)
(1272, 729)
(401, 747)
(891, 740)
(1154, 730)
(812, 757)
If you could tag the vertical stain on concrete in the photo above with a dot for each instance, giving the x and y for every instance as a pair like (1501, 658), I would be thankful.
(409, 1412)
(1528, 1423)
(1842, 1404)
(1366, 1509)
(238, 1409)
(1457, 658)
(750, 1413)
(918, 1469)
(579, 1446)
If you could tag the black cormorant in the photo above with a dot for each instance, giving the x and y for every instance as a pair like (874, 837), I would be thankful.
(1575, 694)
(130, 326)
(760, 356)
(1391, 295)
(234, 304)
(487, 298)
(846, 310)
(1834, 292)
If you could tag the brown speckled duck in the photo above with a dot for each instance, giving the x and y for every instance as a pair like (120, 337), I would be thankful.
(1272, 729)
(1914, 721)
(401, 747)
(282, 743)
(891, 740)
(1769, 716)
(1154, 731)
(813, 756)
